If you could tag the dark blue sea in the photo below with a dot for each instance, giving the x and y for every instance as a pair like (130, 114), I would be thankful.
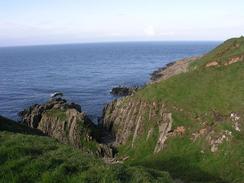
(85, 73)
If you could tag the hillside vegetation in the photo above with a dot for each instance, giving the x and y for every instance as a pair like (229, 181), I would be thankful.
(188, 126)
(206, 143)
(27, 158)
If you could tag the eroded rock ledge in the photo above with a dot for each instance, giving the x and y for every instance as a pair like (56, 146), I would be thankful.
(129, 119)
(68, 124)
(172, 69)
(61, 120)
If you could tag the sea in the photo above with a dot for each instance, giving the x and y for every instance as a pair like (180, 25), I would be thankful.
(85, 73)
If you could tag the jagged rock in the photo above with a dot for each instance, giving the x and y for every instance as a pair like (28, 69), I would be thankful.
(68, 124)
(212, 64)
(105, 150)
(149, 133)
(122, 120)
(123, 90)
(212, 137)
(235, 118)
(216, 141)
(172, 69)
(125, 119)
(164, 128)
(32, 115)
(60, 120)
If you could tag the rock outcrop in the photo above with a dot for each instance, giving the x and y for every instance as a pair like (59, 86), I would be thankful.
(123, 90)
(32, 115)
(68, 124)
(172, 69)
(61, 120)
(129, 119)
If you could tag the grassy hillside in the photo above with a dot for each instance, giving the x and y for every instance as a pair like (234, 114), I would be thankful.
(12, 126)
(222, 54)
(202, 102)
(26, 157)
(205, 145)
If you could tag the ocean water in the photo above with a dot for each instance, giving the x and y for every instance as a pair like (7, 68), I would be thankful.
(85, 73)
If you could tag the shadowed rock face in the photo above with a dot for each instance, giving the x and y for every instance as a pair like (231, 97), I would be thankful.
(128, 119)
(60, 120)
(123, 91)
(32, 115)
(68, 124)
(12, 126)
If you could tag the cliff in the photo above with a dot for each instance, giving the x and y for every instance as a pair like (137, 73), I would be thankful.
(63, 121)
(172, 69)
(26, 155)
(130, 118)
(188, 120)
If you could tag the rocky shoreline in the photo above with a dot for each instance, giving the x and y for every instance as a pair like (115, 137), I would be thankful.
(186, 125)
(68, 124)
(162, 73)
(122, 91)
(172, 68)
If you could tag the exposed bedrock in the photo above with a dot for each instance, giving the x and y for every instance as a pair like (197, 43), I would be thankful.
(67, 123)
(123, 90)
(172, 69)
(129, 119)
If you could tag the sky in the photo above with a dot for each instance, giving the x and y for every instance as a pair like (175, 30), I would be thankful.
(34, 22)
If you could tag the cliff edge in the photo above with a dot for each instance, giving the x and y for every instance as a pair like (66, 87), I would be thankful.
(188, 120)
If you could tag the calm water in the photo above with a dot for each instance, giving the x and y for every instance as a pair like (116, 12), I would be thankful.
(83, 72)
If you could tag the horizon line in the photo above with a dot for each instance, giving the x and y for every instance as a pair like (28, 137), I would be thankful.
(105, 42)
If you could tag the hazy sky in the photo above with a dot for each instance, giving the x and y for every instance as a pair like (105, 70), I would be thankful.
(26, 22)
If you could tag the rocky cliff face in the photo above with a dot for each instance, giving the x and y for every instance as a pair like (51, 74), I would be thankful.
(172, 69)
(129, 119)
(61, 120)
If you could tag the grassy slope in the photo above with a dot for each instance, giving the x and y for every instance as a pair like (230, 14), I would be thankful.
(199, 94)
(28, 157)
(9, 125)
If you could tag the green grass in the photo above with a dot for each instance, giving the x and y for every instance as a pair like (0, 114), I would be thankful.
(12, 126)
(28, 158)
(57, 113)
(202, 90)
(191, 161)
(223, 53)
(193, 98)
